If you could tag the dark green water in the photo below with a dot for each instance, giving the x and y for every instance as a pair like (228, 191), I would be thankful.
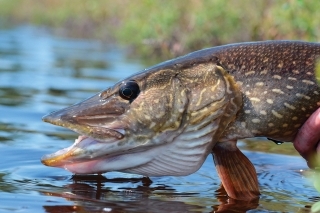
(40, 73)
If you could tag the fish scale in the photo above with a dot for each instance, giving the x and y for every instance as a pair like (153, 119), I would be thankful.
(277, 81)
(278, 85)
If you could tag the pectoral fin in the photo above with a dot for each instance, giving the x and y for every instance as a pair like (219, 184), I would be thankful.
(236, 172)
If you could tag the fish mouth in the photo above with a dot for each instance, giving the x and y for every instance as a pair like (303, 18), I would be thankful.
(84, 155)
(90, 156)
(101, 129)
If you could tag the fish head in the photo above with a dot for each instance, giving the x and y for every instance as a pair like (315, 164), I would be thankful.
(159, 122)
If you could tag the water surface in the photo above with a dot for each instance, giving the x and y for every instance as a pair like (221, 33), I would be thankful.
(40, 73)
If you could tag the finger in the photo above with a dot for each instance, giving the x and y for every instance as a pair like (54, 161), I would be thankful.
(307, 139)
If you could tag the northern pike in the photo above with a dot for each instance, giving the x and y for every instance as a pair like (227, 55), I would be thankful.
(168, 118)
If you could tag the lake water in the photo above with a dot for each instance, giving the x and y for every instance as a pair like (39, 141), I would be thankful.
(40, 73)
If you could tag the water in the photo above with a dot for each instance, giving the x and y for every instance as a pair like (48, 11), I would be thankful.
(40, 73)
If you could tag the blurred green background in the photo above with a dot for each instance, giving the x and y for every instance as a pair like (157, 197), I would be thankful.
(158, 29)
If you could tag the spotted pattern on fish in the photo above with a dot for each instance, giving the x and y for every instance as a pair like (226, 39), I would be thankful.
(276, 78)
(288, 74)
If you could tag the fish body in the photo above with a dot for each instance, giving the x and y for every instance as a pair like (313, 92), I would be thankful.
(167, 119)
(278, 85)
(277, 81)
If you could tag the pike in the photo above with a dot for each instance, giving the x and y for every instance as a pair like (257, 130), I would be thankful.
(165, 120)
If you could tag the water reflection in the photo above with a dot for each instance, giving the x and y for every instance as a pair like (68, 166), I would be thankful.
(90, 195)
(15, 96)
(91, 192)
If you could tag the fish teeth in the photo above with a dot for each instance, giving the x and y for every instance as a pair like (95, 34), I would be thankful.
(80, 138)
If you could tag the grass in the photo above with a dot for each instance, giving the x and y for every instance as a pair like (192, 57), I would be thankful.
(166, 29)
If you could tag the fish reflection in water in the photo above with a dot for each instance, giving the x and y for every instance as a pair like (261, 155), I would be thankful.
(90, 195)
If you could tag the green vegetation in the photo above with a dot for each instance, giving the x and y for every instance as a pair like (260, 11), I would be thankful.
(318, 71)
(171, 28)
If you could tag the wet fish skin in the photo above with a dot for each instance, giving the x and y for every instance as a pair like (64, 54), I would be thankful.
(277, 81)
(279, 86)
(194, 105)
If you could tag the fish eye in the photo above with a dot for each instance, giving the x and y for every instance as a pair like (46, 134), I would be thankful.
(129, 90)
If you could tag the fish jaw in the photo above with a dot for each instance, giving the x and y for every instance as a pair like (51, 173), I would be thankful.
(101, 127)
(95, 117)
(181, 155)
(88, 156)
(83, 149)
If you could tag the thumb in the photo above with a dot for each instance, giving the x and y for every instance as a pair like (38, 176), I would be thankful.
(306, 141)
